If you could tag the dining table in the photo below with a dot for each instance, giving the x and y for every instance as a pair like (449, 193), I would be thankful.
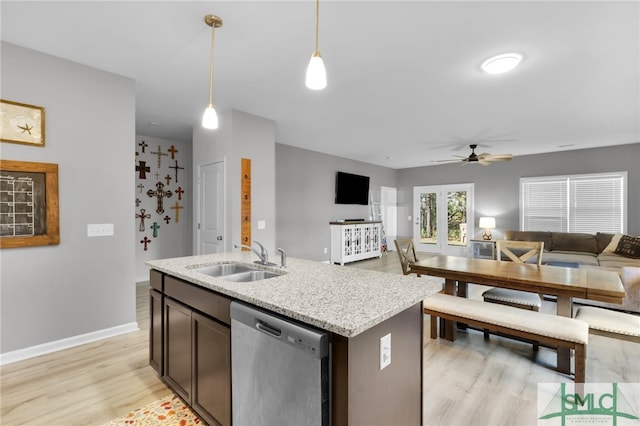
(565, 283)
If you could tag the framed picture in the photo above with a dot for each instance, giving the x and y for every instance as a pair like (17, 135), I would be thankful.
(21, 123)
(29, 209)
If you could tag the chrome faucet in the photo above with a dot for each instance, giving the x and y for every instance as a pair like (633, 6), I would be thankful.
(283, 258)
(263, 254)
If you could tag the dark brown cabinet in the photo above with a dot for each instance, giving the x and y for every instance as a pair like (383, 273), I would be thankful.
(196, 346)
(156, 320)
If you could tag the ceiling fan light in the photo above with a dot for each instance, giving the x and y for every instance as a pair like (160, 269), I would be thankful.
(316, 73)
(210, 118)
(501, 63)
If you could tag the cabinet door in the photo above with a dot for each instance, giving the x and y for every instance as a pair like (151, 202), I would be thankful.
(178, 341)
(155, 330)
(211, 397)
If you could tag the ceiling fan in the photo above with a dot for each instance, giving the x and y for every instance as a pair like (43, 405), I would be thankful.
(485, 158)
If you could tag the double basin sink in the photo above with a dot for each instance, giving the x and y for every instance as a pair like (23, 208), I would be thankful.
(237, 272)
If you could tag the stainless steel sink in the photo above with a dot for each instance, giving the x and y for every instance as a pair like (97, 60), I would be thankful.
(224, 269)
(244, 277)
(237, 272)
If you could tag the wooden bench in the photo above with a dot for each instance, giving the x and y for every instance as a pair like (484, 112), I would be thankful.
(551, 330)
(605, 322)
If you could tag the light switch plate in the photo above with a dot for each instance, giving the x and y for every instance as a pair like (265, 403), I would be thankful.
(385, 351)
(99, 229)
(262, 224)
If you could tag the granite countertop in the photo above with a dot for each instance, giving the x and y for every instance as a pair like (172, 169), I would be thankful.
(343, 300)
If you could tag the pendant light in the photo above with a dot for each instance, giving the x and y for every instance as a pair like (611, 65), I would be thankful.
(210, 117)
(316, 73)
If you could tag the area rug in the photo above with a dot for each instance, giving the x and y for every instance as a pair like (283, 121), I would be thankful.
(169, 410)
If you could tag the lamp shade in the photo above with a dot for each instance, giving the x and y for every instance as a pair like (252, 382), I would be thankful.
(487, 222)
(210, 118)
(316, 73)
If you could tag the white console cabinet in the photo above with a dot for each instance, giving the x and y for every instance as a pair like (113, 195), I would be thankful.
(351, 241)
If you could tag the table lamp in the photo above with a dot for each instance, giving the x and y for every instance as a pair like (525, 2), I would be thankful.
(487, 224)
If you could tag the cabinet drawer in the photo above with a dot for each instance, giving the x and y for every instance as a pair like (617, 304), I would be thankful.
(155, 280)
(205, 301)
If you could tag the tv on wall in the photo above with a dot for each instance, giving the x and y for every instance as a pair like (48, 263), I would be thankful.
(352, 189)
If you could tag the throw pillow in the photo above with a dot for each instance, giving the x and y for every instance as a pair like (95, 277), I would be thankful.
(629, 247)
(613, 244)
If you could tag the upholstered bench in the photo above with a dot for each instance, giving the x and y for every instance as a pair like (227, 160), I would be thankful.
(552, 330)
(609, 323)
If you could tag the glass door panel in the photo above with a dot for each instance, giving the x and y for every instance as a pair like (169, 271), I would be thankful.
(443, 218)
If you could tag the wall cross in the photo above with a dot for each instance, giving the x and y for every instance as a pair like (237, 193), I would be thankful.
(160, 154)
(160, 194)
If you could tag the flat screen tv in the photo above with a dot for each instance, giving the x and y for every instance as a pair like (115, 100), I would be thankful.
(352, 189)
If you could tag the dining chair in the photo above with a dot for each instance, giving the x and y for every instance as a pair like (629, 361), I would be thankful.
(406, 253)
(520, 252)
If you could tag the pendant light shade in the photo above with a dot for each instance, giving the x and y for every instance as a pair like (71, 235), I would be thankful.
(210, 117)
(316, 73)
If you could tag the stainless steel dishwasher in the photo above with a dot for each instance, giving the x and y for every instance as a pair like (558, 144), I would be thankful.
(279, 370)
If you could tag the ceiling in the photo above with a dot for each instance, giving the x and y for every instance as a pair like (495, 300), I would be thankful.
(404, 81)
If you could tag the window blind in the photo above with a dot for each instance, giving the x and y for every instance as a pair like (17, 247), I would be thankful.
(576, 203)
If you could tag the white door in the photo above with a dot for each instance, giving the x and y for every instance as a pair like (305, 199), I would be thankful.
(389, 206)
(211, 208)
(443, 218)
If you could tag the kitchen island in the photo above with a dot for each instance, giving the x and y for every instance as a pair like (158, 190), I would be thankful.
(357, 307)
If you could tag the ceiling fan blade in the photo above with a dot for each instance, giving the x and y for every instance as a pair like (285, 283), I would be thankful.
(446, 161)
(491, 157)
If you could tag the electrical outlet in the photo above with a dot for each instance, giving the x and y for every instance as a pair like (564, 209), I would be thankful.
(385, 351)
(99, 229)
(409, 218)
(325, 250)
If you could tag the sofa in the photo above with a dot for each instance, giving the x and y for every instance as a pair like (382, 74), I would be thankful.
(614, 252)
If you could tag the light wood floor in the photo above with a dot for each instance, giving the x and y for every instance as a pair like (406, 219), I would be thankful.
(467, 382)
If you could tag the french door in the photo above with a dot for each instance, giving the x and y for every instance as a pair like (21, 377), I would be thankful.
(443, 218)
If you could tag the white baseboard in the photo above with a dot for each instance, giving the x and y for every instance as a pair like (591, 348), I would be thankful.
(69, 342)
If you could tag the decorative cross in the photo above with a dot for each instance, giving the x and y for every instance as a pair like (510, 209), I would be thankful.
(142, 145)
(145, 242)
(166, 219)
(177, 208)
(160, 154)
(143, 169)
(179, 191)
(140, 187)
(176, 167)
(157, 176)
(142, 216)
(173, 151)
(168, 179)
(138, 201)
(159, 193)
(155, 228)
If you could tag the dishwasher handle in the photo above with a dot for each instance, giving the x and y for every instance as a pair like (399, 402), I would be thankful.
(266, 328)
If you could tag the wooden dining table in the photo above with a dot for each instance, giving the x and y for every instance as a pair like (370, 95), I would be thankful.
(564, 283)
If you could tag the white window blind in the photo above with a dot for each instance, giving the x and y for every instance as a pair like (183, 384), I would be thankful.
(577, 203)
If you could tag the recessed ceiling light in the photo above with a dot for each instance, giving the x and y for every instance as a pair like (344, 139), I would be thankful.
(501, 63)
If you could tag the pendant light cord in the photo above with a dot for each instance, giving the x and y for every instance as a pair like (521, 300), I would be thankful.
(317, 20)
(213, 31)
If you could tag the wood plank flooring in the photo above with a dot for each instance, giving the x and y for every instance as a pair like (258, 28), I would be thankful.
(467, 382)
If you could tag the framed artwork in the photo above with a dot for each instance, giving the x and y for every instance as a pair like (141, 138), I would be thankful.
(21, 123)
(29, 208)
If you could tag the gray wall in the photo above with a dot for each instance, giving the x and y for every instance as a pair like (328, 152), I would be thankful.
(241, 135)
(84, 284)
(497, 186)
(305, 198)
(174, 238)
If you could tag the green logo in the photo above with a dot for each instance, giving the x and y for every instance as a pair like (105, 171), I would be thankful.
(605, 404)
